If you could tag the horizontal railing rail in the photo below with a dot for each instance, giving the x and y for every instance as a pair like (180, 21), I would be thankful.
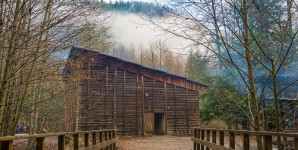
(207, 138)
(101, 139)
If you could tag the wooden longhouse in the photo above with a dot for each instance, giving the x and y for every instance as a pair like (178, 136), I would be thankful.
(107, 92)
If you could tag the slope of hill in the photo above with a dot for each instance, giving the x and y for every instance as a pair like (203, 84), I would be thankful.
(136, 7)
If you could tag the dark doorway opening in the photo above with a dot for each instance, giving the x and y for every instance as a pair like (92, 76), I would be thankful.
(159, 123)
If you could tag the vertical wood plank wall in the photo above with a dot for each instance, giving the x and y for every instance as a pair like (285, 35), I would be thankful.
(123, 103)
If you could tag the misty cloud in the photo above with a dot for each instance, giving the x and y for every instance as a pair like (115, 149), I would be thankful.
(131, 29)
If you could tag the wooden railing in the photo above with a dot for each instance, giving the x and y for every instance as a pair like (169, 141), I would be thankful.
(206, 138)
(106, 140)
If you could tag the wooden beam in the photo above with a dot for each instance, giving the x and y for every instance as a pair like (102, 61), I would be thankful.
(232, 140)
(106, 96)
(294, 117)
(88, 96)
(143, 100)
(137, 106)
(195, 135)
(40, 143)
(221, 138)
(187, 117)
(86, 139)
(94, 138)
(203, 139)
(7, 145)
(175, 117)
(61, 142)
(208, 144)
(166, 107)
(76, 142)
(267, 142)
(246, 142)
(115, 100)
(153, 97)
(153, 105)
(208, 138)
(124, 105)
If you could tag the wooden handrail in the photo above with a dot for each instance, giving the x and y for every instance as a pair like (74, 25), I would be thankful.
(200, 142)
(7, 141)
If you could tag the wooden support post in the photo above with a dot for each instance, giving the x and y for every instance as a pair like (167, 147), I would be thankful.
(267, 142)
(175, 120)
(124, 102)
(296, 143)
(245, 141)
(166, 107)
(106, 137)
(199, 137)
(187, 117)
(221, 138)
(94, 138)
(153, 104)
(101, 137)
(106, 96)
(143, 111)
(202, 138)
(115, 99)
(88, 96)
(61, 142)
(76, 142)
(40, 143)
(294, 117)
(214, 136)
(232, 140)
(7, 145)
(208, 139)
(153, 97)
(110, 137)
(137, 107)
(195, 135)
(114, 137)
(86, 139)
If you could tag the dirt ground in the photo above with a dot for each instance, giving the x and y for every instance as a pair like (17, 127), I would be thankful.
(165, 142)
(168, 142)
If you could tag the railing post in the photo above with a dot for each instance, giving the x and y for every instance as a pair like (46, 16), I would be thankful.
(232, 140)
(208, 138)
(114, 137)
(199, 137)
(267, 142)
(202, 138)
(40, 143)
(245, 141)
(76, 142)
(94, 138)
(221, 138)
(110, 137)
(86, 139)
(61, 142)
(7, 145)
(214, 136)
(296, 143)
(101, 137)
(106, 137)
(195, 133)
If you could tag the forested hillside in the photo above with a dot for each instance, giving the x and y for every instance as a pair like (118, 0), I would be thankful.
(137, 7)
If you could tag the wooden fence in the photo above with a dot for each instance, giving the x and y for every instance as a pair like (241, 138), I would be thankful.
(206, 138)
(101, 139)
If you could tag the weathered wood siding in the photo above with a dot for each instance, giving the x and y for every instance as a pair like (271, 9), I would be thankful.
(111, 97)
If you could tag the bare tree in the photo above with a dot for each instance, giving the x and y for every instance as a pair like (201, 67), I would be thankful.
(243, 37)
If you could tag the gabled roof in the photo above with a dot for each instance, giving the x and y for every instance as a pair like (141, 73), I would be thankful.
(133, 67)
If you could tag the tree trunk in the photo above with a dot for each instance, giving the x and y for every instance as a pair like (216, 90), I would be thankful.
(250, 74)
